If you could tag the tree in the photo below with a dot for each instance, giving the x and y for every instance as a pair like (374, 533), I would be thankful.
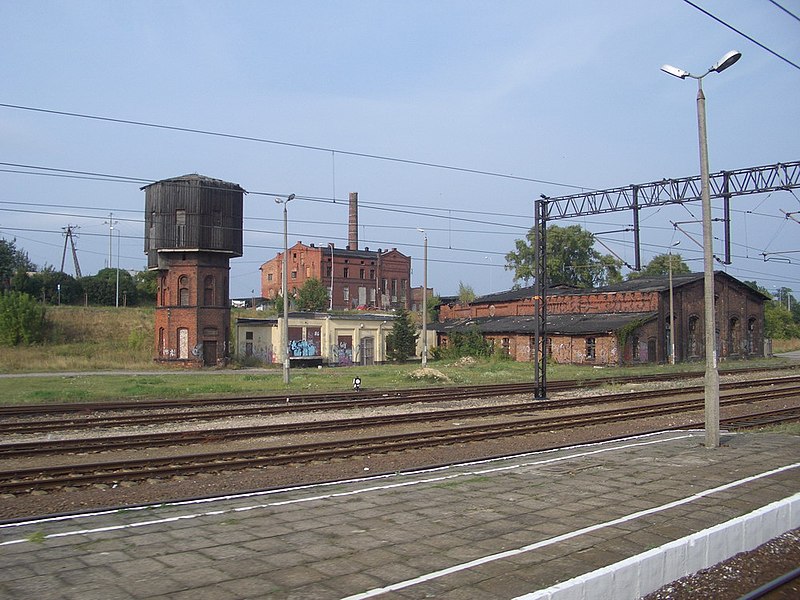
(571, 259)
(21, 319)
(45, 284)
(146, 283)
(659, 265)
(12, 261)
(779, 322)
(467, 343)
(434, 302)
(102, 288)
(402, 341)
(312, 296)
(465, 293)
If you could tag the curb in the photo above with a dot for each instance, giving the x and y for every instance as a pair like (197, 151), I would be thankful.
(647, 572)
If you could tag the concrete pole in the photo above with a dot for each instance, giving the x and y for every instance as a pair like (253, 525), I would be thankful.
(671, 316)
(712, 374)
(285, 283)
(425, 304)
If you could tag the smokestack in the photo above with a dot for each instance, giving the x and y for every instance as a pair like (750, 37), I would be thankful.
(352, 224)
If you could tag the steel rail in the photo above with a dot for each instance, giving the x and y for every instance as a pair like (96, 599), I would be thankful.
(427, 396)
(97, 444)
(93, 408)
(83, 474)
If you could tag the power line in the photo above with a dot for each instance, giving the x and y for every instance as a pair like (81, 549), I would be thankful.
(75, 174)
(744, 35)
(794, 16)
(248, 138)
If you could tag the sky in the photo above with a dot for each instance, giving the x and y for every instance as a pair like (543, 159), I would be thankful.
(447, 116)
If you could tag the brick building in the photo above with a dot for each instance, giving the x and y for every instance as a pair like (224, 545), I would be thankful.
(623, 323)
(193, 227)
(358, 278)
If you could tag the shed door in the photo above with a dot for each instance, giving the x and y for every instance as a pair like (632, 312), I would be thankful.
(210, 353)
(367, 351)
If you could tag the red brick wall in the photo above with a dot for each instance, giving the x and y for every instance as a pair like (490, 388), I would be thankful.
(620, 302)
(205, 313)
(365, 271)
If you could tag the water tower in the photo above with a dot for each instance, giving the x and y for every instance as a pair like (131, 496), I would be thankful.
(193, 227)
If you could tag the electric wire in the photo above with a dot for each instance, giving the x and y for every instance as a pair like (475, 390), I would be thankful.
(791, 14)
(741, 33)
(260, 140)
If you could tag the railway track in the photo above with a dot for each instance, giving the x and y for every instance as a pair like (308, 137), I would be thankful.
(92, 418)
(95, 408)
(18, 480)
(152, 440)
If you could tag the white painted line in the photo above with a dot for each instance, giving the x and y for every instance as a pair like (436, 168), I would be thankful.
(378, 488)
(566, 536)
(256, 494)
(644, 573)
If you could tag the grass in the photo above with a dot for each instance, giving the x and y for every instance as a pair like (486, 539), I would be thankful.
(91, 387)
(84, 341)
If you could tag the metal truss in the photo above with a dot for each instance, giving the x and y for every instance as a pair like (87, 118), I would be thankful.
(725, 185)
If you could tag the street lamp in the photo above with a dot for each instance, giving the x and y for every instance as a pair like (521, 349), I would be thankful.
(285, 284)
(489, 258)
(712, 374)
(118, 245)
(332, 267)
(424, 299)
(671, 310)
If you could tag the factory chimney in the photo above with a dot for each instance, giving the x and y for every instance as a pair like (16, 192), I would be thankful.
(352, 225)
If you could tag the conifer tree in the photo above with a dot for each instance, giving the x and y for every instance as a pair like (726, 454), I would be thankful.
(402, 341)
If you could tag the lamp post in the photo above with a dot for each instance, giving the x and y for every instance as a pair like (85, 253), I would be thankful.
(671, 310)
(712, 373)
(424, 298)
(118, 245)
(285, 284)
(332, 267)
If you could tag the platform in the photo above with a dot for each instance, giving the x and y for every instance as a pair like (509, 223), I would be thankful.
(501, 528)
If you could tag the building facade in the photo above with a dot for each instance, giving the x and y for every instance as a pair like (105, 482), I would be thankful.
(354, 278)
(316, 338)
(193, 227)
(626, 323)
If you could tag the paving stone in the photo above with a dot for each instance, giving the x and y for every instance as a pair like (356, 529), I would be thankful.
(356, 540)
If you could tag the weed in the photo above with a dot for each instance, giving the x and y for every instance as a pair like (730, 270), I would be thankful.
(37, 537)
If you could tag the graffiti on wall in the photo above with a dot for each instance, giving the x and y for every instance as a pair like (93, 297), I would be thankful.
(303, 348)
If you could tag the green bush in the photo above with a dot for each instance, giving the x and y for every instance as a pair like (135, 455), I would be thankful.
(22, 319)
(469, 343)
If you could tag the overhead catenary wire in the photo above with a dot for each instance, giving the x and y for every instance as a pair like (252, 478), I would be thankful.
(791, 14)
(315, 148)
(744, 35)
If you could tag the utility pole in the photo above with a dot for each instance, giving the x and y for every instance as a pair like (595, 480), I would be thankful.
(111, 222)
(69, 237)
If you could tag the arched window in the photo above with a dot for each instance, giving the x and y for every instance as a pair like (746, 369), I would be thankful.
(162, 342)
(183, 343)
(751, 336)
(693, 341)
(734, 337)
(183, 290)
(208, 291)
(162, 291)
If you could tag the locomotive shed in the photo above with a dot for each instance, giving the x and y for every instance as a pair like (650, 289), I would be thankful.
(498, 528)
